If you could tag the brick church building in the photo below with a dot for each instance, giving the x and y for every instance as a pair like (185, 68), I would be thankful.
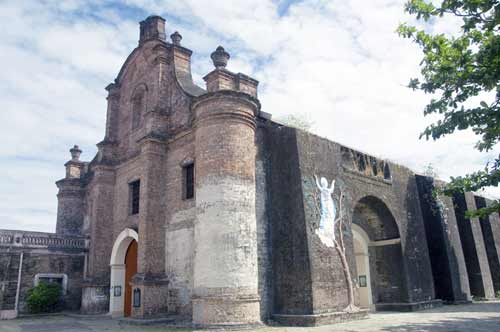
(198, 208)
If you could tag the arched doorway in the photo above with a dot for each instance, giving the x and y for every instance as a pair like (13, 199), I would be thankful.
(361, 244)
(377, 244)
(123, 268)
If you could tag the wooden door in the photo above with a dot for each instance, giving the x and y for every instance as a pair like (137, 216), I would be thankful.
(130, 271)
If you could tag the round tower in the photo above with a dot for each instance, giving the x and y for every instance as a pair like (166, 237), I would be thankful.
(70, 198)
(225, 263)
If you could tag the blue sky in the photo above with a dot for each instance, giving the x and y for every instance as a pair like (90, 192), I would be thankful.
(338, 63)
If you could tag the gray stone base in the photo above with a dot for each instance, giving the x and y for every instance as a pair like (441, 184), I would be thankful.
(226, 311)
(319, 319)
(8, 314)
(408, 306)
(153, 296)
(95, 299)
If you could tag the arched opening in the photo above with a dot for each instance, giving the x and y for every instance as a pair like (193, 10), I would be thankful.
(361, 244)
(123, 268)
(137, 106)
(378, 243)
(138, 101)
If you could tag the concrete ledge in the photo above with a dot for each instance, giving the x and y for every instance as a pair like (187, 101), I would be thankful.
(484, 299)
(8, 314)
(87, 316)
(227, 327)
(73, 314)
(457, 302)
(40, 314)
(408, 306)
(319, 319)
(167, 321)
(185, 322)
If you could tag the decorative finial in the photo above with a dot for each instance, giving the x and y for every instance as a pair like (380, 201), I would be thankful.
(75, 153)
(220, 58)
(176, 38)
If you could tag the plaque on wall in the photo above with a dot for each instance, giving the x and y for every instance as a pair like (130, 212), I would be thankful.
(102, 291)
(362, 281)
(137, 298)
(117, 291)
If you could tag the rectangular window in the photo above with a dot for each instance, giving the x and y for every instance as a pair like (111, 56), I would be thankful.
(60, 279)
(134, 196)
(188, 171)
(52, 280)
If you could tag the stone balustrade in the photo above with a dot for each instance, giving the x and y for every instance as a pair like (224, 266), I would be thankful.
(40, 240)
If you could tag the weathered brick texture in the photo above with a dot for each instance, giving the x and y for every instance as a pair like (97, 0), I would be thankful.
(225, 233)
(245, 248)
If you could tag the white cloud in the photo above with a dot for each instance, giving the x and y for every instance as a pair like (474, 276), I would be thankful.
(340, 62)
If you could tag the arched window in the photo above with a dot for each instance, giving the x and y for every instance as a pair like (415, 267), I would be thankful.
(138, 105)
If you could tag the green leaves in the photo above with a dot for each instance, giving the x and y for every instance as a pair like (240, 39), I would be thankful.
(43, 298)
(456, 70)
(421, 9)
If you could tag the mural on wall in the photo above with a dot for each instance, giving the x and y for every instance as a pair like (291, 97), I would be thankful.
(329, 222)
(328, 212)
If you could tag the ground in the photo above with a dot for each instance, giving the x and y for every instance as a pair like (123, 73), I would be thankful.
(477, 317)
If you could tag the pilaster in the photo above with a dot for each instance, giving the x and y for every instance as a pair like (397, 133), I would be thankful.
(95, 298)
(150, 280)
(112, 112)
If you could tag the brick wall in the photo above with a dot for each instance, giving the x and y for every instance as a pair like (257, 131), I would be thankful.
(40, 253)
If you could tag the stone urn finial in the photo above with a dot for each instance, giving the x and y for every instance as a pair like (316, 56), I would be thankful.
(176, 38)
(75, 153)
(220, 58)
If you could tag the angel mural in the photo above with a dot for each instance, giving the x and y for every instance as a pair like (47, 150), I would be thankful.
(326, 229)
(329, 220)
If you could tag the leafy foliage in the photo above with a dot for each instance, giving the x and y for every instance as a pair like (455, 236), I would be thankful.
(463, 73)
(43, 298)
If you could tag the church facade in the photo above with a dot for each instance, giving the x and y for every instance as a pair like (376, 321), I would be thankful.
(200, 208)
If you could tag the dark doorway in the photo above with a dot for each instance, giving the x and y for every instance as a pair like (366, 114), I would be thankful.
(130, 271)
(385, 253)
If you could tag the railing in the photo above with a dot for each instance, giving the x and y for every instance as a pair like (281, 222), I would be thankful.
(40, 240)
(6, 238)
